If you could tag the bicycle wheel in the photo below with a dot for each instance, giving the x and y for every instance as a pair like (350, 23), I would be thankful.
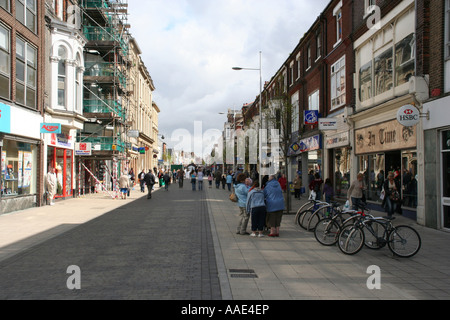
(351, 240)
(404, 241)
(319, 214)
(304, 219)
(301, 210)
(326, 231)
(375, 234)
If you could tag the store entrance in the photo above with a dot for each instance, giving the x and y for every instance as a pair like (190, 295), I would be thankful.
(393, 162)
(62, 161)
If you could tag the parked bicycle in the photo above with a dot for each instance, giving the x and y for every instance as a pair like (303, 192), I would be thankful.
(326, 230)
(307, 210)
(403, 241)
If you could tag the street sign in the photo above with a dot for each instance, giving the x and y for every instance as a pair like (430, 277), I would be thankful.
(408, 116)
(327, 124)
(311, 116)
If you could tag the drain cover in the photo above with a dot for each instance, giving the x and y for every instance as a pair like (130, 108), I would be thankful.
(242, 273)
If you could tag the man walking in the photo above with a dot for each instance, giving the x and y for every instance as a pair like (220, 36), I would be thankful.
(166, 178)
(51, 185)
(142, 181)
(150, 182)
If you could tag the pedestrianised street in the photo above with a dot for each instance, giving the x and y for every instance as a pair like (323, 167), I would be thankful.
(182, 245)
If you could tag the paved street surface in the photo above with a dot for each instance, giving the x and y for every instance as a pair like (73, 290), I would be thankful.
(145, 249)
(181, 245)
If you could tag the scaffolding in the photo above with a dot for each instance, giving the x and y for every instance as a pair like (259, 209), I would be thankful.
(106, 90)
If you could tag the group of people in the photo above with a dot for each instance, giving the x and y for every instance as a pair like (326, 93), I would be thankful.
(264, 206)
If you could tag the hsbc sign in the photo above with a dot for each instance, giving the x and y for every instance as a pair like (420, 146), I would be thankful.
(408, 116)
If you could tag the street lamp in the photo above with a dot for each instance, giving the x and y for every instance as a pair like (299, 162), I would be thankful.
(260, 110)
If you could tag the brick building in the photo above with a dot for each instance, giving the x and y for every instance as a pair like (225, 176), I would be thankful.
(21, 103)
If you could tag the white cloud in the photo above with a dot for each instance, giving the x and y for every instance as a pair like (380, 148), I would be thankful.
(190, 46)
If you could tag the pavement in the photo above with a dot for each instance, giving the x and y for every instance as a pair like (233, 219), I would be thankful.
(292, 267)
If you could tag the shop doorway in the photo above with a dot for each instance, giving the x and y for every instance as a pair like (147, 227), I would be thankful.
(62, 161)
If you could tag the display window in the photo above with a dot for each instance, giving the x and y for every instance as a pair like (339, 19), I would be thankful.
(376, 167)
(18, 168)
(62, 161)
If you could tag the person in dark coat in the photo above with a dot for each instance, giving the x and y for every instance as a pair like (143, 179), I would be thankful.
(392, 197)
(150, 181)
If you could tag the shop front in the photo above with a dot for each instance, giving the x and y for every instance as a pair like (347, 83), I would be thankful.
(20, 150)
(60, 155)
(388, 147)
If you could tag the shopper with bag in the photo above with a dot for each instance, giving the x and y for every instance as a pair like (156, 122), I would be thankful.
(392, 199)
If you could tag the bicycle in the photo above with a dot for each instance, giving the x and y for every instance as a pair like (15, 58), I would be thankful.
(326, 231)
(403, 241)
(303, 216)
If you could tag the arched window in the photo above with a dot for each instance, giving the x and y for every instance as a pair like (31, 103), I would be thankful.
(62, 55)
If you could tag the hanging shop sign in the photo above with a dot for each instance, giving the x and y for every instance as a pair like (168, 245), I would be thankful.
(408, 116)
(328, 124)
(337, 141)
(311, 117)
(310, 144)
(51, 128)
(385, 137)
(83, 149)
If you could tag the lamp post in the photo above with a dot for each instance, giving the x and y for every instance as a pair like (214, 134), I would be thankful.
(260, 111)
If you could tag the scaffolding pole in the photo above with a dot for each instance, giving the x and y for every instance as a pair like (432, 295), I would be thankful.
(98, 181)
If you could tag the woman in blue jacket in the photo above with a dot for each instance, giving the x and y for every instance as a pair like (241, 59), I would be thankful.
(274, 206)
(241, 191)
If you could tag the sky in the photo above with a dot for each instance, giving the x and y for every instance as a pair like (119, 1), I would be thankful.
(190, 47)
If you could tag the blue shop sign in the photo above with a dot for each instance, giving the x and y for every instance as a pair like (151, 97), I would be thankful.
(5, 118)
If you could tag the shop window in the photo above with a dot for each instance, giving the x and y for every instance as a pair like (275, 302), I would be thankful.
(18, 168)
(365, 82)
(383, 72)
(446, 176)
(342, 167)
(5, 65)
(404, 60)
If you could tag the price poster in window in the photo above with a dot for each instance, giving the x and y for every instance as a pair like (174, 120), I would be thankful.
(3, 163)
(27, 169)
(20, 173)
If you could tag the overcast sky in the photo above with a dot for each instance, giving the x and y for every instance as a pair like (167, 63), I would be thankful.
(190, 46)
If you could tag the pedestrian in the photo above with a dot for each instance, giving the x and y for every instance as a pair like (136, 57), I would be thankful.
(51, 183)
(256, 208)
(193, 179)
(210, 180)
(166, 178)
(241, 191)
(274, 206)
(200, 180)
(391, 201)
(224, 181)
(218, 177)
(229, 181)
(181, 178)
(328, 190)
(150, 181)
(355, 192)
(124, 185)
(142, 181)
(316, 186)
(132, 177)
(297, 186)
(283, 182)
